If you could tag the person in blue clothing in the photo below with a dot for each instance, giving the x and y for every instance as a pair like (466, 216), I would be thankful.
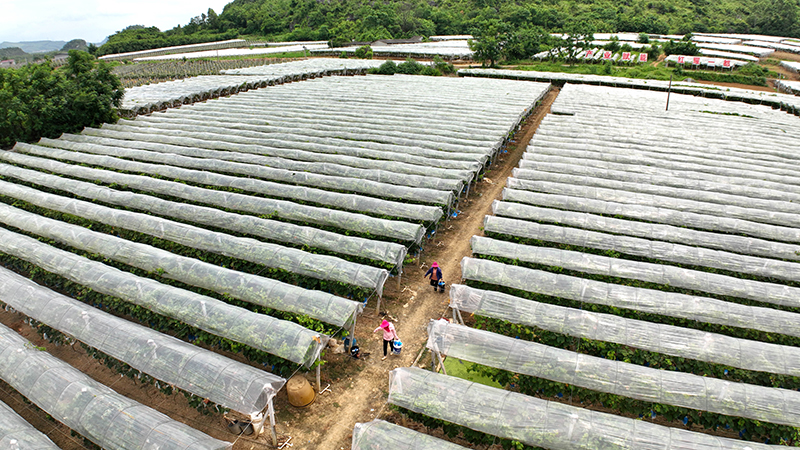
(435, 274)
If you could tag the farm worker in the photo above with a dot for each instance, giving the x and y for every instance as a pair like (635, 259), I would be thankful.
(436, 275)
(389, 335)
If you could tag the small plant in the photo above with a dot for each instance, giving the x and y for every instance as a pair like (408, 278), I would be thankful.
(445, 68)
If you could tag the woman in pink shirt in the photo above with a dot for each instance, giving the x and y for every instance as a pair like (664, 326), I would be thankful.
(389, 335)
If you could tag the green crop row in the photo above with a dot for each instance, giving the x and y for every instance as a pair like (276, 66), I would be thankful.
(742, 333)
(632, 282)
(338, 288)
(143, 316)
(202, 405)
(453, 430)
(305, 321)
(751, 429)
(29, 405)
(616, 254)
(257, 194)
(273, 216)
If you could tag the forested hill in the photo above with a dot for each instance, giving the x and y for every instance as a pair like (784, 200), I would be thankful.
(345, 20)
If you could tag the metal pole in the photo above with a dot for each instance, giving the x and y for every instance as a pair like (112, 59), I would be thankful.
(669, 91)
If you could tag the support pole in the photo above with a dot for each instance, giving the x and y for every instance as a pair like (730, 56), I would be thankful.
(669, 91)
(378, 307)
(319, 382)
(441, 362)
(273, 433)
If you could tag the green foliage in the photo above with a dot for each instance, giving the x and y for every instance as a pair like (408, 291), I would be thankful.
(635, 71)
(445, 68)
(410, 67)
(364, 52)
(775, 17)
(613, 45)
(579, 38)
(121, 308)
(345, 21)
(75, 44)
(653, 51)
(723, 77)
(137, 37)
(489, 42)
(452, 430)
(387, 68)
(751, 429)
(644, 38)
(42, 101)
(682, 47)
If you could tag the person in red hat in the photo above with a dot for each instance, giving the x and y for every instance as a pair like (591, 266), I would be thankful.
(436, 276)
(389, 335)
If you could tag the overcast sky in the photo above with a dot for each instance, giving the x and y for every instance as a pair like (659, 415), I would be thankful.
(93, 20)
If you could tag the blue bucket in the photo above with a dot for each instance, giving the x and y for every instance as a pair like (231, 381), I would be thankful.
(397, 347)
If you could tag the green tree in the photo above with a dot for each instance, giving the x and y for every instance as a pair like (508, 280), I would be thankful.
(775, 17)
(38, 100)
(490, 42)
(364, 52)
(526, 42)
(579, 37)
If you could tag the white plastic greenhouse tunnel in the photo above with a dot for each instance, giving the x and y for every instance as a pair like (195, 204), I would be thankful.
(88, 407)
(206, 374)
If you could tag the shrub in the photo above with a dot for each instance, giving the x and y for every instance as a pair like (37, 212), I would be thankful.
(443, 67)
(364, 52)
(387, 68)
(410, 67)
(681, 48)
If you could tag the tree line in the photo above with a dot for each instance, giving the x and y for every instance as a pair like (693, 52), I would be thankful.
(343, 21)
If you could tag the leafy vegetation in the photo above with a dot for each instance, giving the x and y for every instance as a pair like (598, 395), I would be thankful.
(42, 101)
(347, 20)
(137, 37)
(412, 67)
(747, 428)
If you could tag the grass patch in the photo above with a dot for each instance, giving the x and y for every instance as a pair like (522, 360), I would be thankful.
(464, 370)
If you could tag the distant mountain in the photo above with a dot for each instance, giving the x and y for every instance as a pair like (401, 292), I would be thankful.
(75, 44)
(11, 53)
(35, 46)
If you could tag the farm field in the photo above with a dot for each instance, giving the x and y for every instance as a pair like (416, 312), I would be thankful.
(256, 233)
(629, 274)
(627, 280)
